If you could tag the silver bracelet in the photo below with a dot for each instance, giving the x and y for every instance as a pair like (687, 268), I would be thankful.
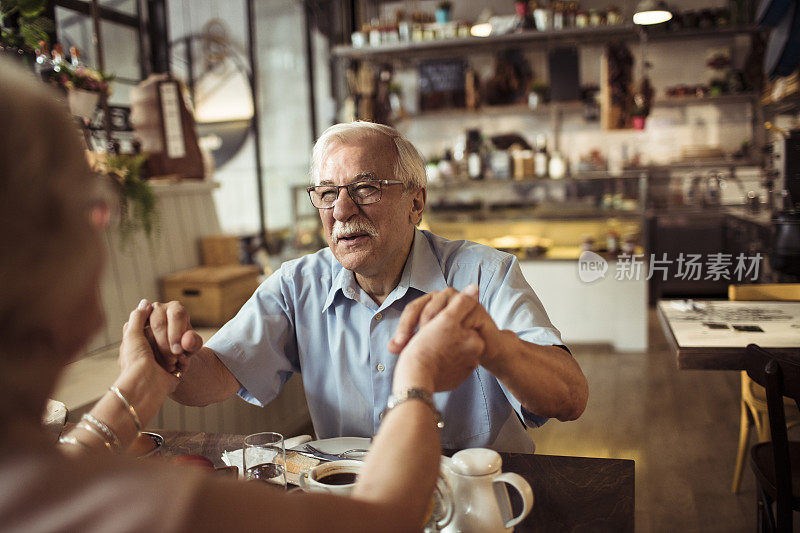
(413, 393)
(131, 410)
(108, 435)
(73, 441)
(83, 425)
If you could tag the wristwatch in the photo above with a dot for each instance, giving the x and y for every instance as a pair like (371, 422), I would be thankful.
(413, 393)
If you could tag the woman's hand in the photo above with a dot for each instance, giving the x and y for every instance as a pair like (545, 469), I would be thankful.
(444, 351)
(136, 354)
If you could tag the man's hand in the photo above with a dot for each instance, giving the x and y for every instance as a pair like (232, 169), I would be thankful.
(444, 351)
(171, 336)
(427, 307)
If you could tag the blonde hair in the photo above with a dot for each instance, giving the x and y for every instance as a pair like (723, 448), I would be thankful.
(46, 235)
(408, 164)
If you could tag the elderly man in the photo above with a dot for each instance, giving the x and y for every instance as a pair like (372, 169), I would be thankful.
(339, 316)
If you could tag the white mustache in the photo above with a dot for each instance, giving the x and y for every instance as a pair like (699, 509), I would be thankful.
(352, 227)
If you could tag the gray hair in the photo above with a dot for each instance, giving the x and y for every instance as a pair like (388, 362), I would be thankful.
(45, 230)
(408, 165)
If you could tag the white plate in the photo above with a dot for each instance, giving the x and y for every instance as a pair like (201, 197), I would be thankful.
(339, 444)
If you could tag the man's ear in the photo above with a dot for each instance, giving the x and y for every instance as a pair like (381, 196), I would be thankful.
(417, 205)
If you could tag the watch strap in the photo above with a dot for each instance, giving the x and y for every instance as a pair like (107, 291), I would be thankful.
(413, 393)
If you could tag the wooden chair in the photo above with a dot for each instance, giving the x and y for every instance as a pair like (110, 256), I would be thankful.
(753, 405)
(776, 464)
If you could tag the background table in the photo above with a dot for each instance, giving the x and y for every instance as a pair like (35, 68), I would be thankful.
(700, 347)
(570, 493)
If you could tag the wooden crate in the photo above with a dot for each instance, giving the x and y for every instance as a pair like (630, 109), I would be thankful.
(220, 250)
(212, 295)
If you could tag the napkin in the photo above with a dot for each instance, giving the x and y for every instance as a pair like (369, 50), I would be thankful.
(234, 457)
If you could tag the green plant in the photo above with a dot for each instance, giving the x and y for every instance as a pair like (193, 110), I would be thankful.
(539, 87)
(138, 202)
(22, 24)
(83, 78)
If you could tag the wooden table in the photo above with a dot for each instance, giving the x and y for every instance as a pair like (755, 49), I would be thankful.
(712, 334)
(570, 493)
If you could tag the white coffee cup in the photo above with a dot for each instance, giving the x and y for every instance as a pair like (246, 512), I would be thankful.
(327, 477)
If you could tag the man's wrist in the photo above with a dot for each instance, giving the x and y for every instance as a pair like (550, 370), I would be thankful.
(496, 355)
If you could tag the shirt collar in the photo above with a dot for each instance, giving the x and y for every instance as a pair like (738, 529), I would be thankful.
(342, 280)
(422, 271)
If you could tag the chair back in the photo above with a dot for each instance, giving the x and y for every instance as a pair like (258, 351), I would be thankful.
(779, 374)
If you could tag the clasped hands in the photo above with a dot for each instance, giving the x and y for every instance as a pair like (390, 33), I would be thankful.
(473, 320)
(160, 332)
(460, 335)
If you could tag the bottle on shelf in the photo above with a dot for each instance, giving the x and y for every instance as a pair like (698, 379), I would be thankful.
(44, 65)
(445, 165)
(474, 155)
(541, 159)
(557, 166)
(58, 57)
(75, 56)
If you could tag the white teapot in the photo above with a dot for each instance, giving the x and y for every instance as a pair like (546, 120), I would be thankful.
(480, 495)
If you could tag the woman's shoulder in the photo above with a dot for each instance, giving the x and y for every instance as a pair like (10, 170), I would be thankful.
(43, 490)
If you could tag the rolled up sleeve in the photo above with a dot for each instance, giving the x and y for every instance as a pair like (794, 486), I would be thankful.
(259, 345)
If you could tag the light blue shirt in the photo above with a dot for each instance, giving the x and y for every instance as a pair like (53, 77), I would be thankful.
(311, 316)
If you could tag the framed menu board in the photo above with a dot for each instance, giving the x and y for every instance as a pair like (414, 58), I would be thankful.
(442, 84)
(165, 126)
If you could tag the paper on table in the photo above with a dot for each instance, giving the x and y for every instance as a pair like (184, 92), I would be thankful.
(234, 457)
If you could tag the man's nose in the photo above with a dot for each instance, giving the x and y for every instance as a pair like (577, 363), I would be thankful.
(344, 207)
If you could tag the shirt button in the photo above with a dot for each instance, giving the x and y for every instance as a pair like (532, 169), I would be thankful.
(380, 367)
(378, 316)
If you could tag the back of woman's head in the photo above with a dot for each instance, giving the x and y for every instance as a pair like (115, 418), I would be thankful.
(48, 248)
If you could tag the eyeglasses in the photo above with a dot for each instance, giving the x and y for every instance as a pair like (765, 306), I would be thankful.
(361, 192)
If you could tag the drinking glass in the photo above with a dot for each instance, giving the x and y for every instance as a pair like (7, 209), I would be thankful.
(264, 458)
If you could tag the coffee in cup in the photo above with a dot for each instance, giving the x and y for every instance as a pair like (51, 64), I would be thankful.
(338, 477)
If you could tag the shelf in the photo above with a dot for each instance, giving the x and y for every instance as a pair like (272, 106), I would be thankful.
(573, 107)
(681, 101)
(171, 187)
(706, 163)
(461, 45)
(704, 33)
(498, 110)
(462, 184)
(787, 105)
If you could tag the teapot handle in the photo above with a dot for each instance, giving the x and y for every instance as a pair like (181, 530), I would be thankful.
(525, 492)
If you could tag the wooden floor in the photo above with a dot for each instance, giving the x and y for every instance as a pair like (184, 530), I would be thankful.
(681, 428)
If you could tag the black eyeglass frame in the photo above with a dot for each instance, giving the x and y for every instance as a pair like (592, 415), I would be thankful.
(350, 187)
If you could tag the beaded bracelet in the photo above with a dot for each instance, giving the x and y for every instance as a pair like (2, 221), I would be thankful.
(131, 410)
(83, 425)
(73, 441)
(108, 435)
